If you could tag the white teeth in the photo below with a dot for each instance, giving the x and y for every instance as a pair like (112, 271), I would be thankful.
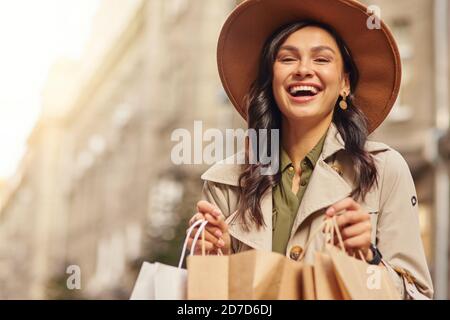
(295, 89)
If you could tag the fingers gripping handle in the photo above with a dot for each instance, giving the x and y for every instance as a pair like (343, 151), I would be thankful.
(201, 230)
(197, 235)
(338, 233)
(330, 227)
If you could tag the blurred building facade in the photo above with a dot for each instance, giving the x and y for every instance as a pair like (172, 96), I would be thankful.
(98, 176)
(97, 188)
(412, 127)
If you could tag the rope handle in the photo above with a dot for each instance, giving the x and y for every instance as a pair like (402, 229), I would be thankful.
(338, 232)
(341, 242)
(188, 235)
(329, 235)
(203, 242)
(200, 231)
(219, 251)
(331, 227)
(361, 255)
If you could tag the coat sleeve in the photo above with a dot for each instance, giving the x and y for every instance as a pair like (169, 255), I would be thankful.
(219, 195)
(398, 230)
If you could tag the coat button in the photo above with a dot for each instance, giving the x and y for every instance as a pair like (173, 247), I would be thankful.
(337, 168)
(295, 253)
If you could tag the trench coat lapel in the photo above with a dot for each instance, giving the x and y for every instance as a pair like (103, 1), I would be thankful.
(227, 172)
(257, 239)
(325, 186)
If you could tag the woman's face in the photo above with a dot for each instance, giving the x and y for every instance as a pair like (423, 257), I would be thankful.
(308, 75)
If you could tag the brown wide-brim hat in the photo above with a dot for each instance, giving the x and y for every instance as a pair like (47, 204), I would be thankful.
(374, 51)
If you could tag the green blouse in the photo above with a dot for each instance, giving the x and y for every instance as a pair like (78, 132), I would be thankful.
(285, 202)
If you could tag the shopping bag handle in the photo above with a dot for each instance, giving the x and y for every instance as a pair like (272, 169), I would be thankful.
(341, 242)
(197, 235)
(330, 225)
(334, 226)
(201, 230)
(188, 235)
(312, 237)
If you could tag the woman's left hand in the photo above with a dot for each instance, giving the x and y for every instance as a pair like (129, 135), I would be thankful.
(354, 224)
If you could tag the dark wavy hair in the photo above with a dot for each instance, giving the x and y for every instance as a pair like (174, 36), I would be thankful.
(263, 113)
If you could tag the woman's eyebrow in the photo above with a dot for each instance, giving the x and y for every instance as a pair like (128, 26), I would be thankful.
(289, 48)
(321, 48)
(313, 49)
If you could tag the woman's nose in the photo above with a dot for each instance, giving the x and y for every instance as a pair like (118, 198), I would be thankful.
(304, 69)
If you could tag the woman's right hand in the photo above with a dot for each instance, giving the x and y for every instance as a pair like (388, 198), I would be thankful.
(216, 231)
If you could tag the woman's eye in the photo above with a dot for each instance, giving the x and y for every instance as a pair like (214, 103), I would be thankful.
(322, 60)
(287, 59)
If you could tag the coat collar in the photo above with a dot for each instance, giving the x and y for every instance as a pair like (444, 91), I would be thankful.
(227, 171)
(325, 187)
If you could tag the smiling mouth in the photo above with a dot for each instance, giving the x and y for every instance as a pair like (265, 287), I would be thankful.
(303, 91)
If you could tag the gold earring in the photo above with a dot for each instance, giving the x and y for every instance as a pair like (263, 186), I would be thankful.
(343, 103)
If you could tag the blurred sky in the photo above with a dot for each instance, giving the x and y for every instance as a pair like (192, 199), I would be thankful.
(33, 34)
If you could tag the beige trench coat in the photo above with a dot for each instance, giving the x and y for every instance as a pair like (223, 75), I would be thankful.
(392, 204)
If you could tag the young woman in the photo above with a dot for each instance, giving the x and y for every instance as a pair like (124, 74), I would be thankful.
(325, 85)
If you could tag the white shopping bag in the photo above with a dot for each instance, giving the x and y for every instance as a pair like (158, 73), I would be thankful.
(157, 281)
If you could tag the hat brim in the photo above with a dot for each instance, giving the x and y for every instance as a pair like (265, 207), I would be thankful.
(374, 51)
